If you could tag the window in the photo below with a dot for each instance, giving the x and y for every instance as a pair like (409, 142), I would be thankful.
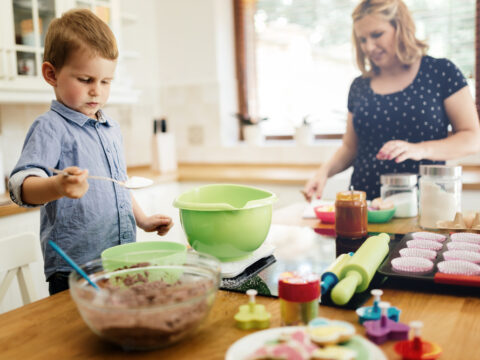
(304, 62)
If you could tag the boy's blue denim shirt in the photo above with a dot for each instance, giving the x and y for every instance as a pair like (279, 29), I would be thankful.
(103, 217)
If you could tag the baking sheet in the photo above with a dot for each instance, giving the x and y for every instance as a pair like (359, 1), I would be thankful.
(420, 280)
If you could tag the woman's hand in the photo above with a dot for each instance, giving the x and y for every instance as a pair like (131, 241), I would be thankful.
(159, 223)
(399, 150)
(314, 187)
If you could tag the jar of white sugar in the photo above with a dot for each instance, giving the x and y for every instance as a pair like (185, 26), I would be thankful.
(440, 194)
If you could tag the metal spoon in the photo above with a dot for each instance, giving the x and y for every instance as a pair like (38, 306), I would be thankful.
(135, 182)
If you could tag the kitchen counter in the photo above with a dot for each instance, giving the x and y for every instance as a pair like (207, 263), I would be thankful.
(293, 174)
(292, 215)
(8, 207)
(52, 328)
(288, 174)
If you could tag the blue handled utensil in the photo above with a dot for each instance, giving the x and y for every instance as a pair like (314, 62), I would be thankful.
(72, 263)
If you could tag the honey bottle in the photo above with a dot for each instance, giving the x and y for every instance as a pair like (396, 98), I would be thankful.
(351, 216)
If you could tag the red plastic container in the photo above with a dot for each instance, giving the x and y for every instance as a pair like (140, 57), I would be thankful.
(325, 213)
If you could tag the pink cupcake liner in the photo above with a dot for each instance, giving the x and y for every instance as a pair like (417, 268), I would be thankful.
(426, 235)
(458, 267)
(462, 255)
(460, 245)
(416, 252)
(412, 264)
(424, 244)
(466, 237)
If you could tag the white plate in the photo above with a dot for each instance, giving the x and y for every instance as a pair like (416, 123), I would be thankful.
(244, 347)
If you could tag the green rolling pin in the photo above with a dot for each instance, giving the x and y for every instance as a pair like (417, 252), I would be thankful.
(332, 274)
(358, 272)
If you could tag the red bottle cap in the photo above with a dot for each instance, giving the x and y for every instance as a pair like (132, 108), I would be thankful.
(298, 287)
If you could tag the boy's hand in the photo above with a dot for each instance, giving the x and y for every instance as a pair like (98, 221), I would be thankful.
(74, 185)
(159, 223)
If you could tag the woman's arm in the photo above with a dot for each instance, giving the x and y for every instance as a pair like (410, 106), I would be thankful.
(465, 140)
(340, 161)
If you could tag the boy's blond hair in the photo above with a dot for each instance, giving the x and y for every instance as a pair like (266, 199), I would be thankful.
(408, 48)
(78, 29)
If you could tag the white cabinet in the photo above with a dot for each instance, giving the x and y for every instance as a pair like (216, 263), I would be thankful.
(23, 24)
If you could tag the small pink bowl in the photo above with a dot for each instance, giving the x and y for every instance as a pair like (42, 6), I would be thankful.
(325, 214)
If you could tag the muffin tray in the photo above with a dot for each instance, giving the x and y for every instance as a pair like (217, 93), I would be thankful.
(430, 272)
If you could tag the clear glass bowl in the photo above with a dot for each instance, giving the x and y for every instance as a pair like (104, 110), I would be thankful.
(149, 306)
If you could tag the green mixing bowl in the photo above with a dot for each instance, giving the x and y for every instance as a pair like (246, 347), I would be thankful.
(224, 220)
(154, 252)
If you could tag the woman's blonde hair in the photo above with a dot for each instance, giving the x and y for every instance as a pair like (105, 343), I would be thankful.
(78, 29)
(407, 47)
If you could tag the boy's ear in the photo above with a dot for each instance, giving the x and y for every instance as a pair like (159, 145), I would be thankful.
(49, 73)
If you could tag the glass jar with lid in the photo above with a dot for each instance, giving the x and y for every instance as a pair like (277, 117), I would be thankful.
(440, 194)
(351, 217)
(401, 190)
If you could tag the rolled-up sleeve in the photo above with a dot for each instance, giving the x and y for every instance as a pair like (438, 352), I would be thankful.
(16, 181)
(41, 151)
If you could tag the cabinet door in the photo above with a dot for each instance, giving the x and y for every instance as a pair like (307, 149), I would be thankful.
(23, 26)
(7, 62)
(24, 29)
(31, 19)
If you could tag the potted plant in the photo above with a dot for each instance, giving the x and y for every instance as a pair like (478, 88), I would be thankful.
(304, 133)
(251, 129)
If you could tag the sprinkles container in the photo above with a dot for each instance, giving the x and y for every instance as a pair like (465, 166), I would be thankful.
(298, 294)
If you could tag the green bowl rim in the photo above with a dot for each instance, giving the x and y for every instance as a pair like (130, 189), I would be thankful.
(187, 205)
(177, 247)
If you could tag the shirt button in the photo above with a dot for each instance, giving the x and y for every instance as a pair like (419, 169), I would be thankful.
(125, 235)
(122, 205)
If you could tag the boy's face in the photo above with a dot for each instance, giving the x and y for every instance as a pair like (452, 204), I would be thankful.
(83, 83)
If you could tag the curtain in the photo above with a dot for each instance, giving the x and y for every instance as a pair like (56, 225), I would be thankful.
(477, 56)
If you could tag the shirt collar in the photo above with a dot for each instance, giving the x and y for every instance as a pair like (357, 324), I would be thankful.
(76, 116)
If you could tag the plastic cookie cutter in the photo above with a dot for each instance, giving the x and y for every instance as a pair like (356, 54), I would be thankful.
(367, 313)
(252, 315)
(334, 352)
(380, 331)
(416, 348)
(331, 275)
(324, 331)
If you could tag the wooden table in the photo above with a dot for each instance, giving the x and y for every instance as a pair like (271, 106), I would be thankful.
(52, 328)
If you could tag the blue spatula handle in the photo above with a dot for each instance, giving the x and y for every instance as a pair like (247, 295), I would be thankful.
(72, 263)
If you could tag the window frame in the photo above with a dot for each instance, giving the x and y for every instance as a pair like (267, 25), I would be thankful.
(246, 66)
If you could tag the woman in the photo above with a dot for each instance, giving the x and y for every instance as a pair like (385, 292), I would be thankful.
(400, 107)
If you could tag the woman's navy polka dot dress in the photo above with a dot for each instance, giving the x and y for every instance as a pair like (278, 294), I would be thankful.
(414, 114)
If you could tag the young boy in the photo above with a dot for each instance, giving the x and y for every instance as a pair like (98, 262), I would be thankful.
(82, 218)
